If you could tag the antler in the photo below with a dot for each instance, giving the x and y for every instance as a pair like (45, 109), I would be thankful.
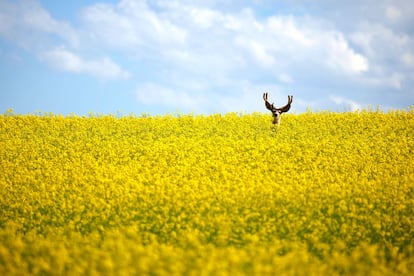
(286, 107)
(269, 106)
(273, 109)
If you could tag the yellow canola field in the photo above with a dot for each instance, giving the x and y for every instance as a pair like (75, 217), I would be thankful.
(323, 194)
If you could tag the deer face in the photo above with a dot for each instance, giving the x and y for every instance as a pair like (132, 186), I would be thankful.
(276, 117)
(277, 112)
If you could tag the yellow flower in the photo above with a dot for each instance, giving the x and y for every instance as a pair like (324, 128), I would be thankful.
(326, 193)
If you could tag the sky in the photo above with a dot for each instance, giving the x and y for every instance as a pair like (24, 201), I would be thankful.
(204, 56)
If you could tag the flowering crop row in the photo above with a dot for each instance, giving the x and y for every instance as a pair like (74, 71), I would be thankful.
(324, 193)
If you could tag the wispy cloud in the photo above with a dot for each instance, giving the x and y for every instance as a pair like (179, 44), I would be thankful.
(347, 104)
(220, 56)
(192, 35)
(30, 26)
(130, 25)
(191, 43)
(65, 60)
(153, 94)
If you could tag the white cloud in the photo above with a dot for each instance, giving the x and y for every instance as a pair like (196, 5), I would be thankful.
(390, 53)
(346, 103)
(408, 59)
(131, 25)
(248, 97)
(342, 56)
(378, 41)
(393, 13)
(258, 51)
(288, 29)
(30, 26)
(286, 78)
(179, 32)
(103, 68)
(208, 54)
(286, 40)
(153, 94)
(393, 80)
(204, 18)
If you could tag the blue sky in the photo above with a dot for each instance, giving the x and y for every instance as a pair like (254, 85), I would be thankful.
(167, 56)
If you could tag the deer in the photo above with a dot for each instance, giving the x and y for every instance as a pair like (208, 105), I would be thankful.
(277, 112)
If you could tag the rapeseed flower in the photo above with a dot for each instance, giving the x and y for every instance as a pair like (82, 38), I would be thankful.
(325, 193)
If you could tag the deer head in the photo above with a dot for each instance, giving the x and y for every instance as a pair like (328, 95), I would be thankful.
(277, 112)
